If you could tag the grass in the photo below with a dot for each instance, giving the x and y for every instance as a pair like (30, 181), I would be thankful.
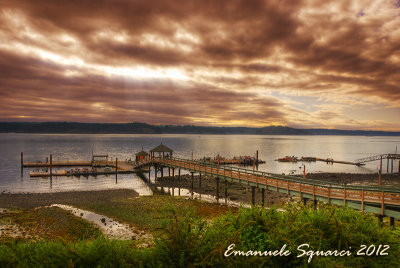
(186, 238)
(146, 212)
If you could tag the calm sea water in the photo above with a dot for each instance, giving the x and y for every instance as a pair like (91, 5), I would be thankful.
(79, 147)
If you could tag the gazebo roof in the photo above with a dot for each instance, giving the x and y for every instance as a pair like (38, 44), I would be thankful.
(161, 148)
(142, 153)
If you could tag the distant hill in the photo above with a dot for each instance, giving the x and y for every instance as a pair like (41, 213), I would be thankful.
(143, 128)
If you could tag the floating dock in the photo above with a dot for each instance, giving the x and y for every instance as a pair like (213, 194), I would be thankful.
(294, 159)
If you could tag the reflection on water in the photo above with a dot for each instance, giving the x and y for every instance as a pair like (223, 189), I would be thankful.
(79, 147)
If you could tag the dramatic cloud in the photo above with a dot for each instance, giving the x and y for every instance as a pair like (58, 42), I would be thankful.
(243, 63)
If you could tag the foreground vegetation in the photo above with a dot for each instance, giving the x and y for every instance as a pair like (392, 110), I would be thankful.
(188, 239)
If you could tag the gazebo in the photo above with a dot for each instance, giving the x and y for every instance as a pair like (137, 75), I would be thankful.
(162, 150)
(142, 155)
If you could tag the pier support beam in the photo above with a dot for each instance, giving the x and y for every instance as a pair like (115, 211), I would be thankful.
(162, 172)
(387, 166)
(226, 192)
(116, 170)
(380, 219)
(262, 196)
(51, 166)
(217, 190)
(253, 193)
(391, 219)
(22, 164)
(305, 200)
(200, 180)
(173, 174)
(169, 172)
(149, 173)
(155, 174)
(179, 174)
(391, 170)
(191, 185)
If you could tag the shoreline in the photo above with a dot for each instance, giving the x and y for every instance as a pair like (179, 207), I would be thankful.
(236, 192)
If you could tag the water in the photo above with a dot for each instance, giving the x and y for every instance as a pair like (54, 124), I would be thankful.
(80, 146)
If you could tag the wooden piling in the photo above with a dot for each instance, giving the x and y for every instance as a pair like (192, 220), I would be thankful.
(22, 161)
(226, 192)
(179, 174)
(51, 165)
(391, 219)
(173, 174)
(217, 190)
(191, 185)
(391, 170)
(262, 197)
(149, 173)
(116, 169)
(162, 172)
(169, 172)
(200, 180)
(257, 157)
(379, 178)
(387, 166)
(253, 193)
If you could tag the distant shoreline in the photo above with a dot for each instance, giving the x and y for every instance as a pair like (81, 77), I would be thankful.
(143, 128)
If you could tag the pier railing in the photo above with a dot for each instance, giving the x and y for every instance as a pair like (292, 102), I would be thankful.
(379, 199)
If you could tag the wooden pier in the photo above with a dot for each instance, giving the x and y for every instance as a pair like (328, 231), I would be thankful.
(380, 200)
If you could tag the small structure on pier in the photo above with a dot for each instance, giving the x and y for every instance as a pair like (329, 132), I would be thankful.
(162, 150)
(142, 155)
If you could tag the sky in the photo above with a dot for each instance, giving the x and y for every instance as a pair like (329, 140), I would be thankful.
(303, 64)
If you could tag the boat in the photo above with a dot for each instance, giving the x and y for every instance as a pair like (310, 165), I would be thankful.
(288, 159)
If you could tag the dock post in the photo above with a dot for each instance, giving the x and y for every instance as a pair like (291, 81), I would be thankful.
(51, 166)
(173, 174)
(226, 192)
(169, 172)
(253, 192)
(262, 197)
(387, 166)
(22, 164)
(200, 180)
(179, 174)
(155, 173)
(257, 157)
(162, 172)
(217, 190)
(380, 218)
(315, 202)
(391, 221)
(391, 170)
(116, 170)
(380, 168)
(191, 185)
(304, 172)
(379, 177)
(149, 173)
